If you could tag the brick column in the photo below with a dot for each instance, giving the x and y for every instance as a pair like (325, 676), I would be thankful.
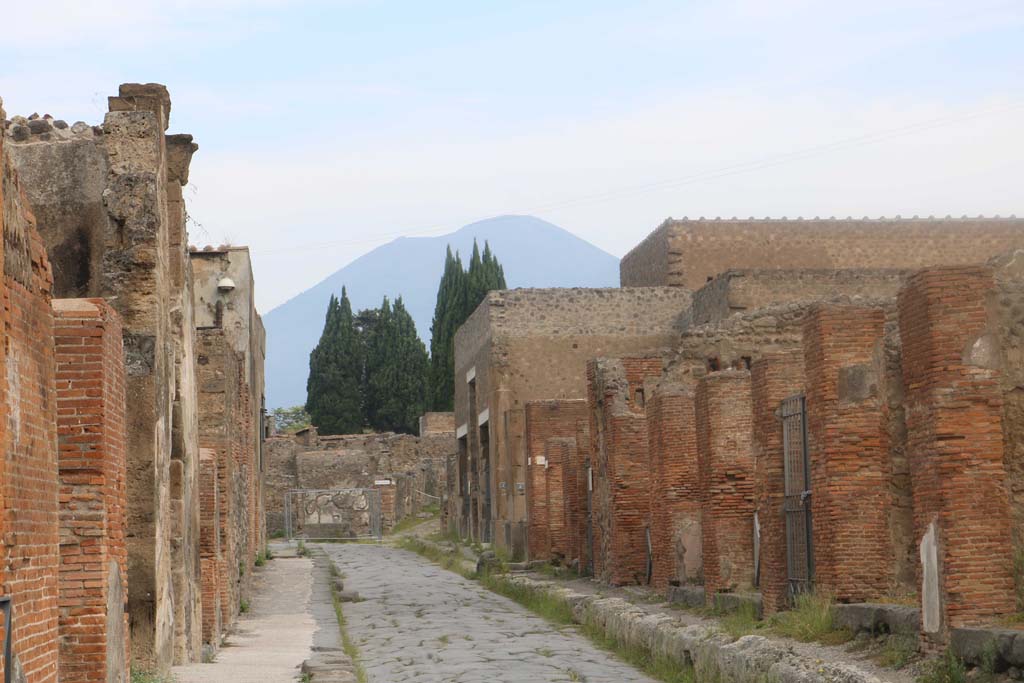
(209, 544)
(955, 450)
(849, 453)
(726, 477)
(773, 377)
(93, 496)
(675, 495)
(558, 454)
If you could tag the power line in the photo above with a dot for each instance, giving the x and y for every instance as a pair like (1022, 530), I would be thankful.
(704, 176)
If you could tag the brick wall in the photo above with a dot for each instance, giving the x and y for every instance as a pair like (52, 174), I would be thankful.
(955, 449)
(675, 496)
(209, 545)
(848, 444)
(686, 252)
(93, 495)
(574, 495)
(558, 453)
(773, 378)
(620, 459)
(726, 478)
(29, 554)
(545, 420)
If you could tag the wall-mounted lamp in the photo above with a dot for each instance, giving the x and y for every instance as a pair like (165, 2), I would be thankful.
(225, 284)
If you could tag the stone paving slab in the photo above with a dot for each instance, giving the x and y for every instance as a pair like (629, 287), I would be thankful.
(270, 642)
(419, 623)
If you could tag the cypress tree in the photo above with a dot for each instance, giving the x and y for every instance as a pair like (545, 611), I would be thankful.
(333, 398)
(458, 295)
(397, 368)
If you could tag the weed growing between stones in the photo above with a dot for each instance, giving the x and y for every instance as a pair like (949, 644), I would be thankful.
(261, 559)
(810, 620)
(150, 677)
(658, 667)
(742, 621)
(302, 550)
(243, 606)
(898, 650)
(347, 644)
(946, 669)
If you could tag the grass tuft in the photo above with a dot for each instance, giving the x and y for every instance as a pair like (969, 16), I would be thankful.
(143, 676)
(946, 669)
(810, 620)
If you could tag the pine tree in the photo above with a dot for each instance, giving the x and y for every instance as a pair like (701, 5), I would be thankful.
(397, 368)
(458, 295)
(333, 398)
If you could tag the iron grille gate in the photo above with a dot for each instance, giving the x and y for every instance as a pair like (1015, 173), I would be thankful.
(333, 514)
(797, 505)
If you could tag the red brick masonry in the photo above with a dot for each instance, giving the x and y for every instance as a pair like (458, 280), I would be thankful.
(849, 452)
(93, 494)
(726, 475)
(955, 443)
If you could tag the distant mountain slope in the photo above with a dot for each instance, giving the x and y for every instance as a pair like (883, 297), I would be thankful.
(534, 253)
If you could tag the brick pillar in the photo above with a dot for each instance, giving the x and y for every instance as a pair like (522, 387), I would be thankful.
(726, 476)
(849, 452)
(558, 454)
(209, 545)
(675, 496)
(93, 495)
(773, 377)
(955, 450)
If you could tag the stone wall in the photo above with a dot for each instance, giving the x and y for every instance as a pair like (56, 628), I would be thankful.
(533, 344)
(90, 425)
(437, 423)
(686, 253)
(112, 218)
(735, 291)
(29, 555)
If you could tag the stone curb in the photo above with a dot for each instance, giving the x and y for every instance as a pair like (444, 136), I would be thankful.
(329, 663)
(751, 659)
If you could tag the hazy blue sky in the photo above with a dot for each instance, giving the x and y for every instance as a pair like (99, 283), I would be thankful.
(327, 128)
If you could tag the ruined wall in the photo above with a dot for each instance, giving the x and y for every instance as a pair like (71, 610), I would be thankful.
(279, 476)
(545, 420)
(29, 555)
(675, 497)
(954, 408)
(848, 443)
(725, 466)
(437, 423)
(1006, 329)
(109, 215)
(619, 451)
(533, 344)
(773, 378)
(557, 454)
(735, 291)
(210, 556)
(685, 253)
(90, 425)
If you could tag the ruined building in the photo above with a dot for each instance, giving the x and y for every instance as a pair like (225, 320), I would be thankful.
(832, 408)
(94, 218)
(408, 472)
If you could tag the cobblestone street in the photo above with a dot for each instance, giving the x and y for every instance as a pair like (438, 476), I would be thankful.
(419, 623)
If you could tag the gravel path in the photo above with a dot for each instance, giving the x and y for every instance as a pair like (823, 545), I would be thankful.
(419, 623)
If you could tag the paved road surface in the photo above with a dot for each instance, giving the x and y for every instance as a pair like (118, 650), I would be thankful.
(419, 623)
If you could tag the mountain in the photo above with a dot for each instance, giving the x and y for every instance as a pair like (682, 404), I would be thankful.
(533, 252)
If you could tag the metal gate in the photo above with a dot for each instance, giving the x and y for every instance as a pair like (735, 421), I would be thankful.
(333, 514)
(797, 506)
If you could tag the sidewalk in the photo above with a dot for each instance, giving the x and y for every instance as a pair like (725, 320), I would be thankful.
(269, 643)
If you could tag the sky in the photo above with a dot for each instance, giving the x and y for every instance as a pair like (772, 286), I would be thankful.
(327, 128)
